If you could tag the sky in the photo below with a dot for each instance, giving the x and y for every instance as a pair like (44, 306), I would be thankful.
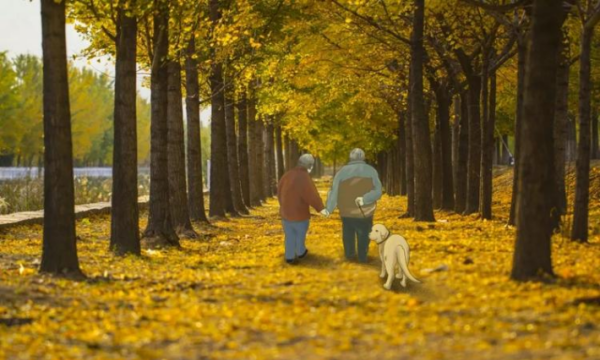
(21, 29)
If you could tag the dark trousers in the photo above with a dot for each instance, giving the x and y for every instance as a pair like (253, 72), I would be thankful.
(356, 230)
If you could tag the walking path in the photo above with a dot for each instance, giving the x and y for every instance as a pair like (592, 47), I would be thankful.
(231, 296)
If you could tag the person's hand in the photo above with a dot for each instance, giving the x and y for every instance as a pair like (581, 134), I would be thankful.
(325, 213)
(359, 201)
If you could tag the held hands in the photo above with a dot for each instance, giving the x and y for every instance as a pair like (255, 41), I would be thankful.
(324, 213)
(359, 201)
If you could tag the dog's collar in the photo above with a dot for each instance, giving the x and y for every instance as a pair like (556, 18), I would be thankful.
(384, 240)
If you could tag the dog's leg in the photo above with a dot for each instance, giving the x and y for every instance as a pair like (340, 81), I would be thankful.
(390, 262)
(381, 256)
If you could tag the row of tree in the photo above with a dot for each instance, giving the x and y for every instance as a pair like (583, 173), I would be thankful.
(21, 140)
(282, 76)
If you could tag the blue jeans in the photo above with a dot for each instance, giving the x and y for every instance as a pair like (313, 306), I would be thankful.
(355, 231)
(295, 236)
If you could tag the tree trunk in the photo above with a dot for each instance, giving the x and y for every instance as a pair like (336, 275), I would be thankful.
(219, 186)
(59, 251)
(487, 150)
(420, 123)
(178, 204)
(124, 224)
(582, 187)
(463, 156)
(402, 152)
(232, 158)
(287, 153)
(410, 161)
(279, 152)
(505, 151)
(474, 160)
(437, 172)
(561, 127)
(269, 158)
(260, 160)
(532, 256)
(443, 117)
(254, 152)
(243, 148)
(521, 73)
(194, 145)
(594, 134)
(159, 231)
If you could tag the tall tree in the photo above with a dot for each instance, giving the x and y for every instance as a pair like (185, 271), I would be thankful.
(125, 233)
(561, 124)
(232, 151)
(279, 153)
(462, 154)
(532, 255)
(178, 201)
(243, 147)
(219, 187)
(582, 187)
(59, 252)
(420, 123)
(159, 231)
(194, 144)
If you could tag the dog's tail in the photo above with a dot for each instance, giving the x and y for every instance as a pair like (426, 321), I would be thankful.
(403, 262)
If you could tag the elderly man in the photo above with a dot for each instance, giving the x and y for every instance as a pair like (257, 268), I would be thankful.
(355, 191)
(296, 192)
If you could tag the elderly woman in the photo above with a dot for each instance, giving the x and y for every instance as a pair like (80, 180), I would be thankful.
(355, 191)
(296, 192)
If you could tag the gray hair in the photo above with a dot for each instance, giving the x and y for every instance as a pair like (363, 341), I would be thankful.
(306, 161)
(357, 154)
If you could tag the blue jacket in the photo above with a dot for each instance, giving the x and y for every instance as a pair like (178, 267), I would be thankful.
(356, 179)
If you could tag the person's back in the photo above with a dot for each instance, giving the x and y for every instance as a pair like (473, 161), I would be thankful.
(296, 192)
(356, 179)
(355, 191)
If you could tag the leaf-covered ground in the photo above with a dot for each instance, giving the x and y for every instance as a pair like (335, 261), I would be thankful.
(231, 296)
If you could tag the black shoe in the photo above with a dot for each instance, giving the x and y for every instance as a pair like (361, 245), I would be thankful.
(303, 255)
(290, 261)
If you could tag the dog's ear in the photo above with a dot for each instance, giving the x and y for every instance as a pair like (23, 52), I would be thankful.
(384, 231)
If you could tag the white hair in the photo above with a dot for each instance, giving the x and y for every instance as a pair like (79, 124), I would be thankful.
(357, 154)
(306, 161)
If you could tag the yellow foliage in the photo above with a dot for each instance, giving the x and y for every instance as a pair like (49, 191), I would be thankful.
(230, 295)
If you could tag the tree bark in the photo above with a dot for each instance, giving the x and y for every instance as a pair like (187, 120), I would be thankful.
(255, 148)
(59, 251)
(402, 151)
(279, 153)
(521, 73)
(487, 151)
(159, 231)
(410, 161)
(243, 147)
(505, 151)
(445, 148)
(463, 156)
(219, 186)
(420, 124)
(532, 256)
(594, 153)
(260, 160)
(232, 158)
(178, 204)
(124, 224)
(269, 158)
(474, 159)
(561, 127)
(194, 142)
(437, 172)
(582, 183)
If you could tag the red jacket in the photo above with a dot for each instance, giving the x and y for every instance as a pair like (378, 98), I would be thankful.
(296, 192)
